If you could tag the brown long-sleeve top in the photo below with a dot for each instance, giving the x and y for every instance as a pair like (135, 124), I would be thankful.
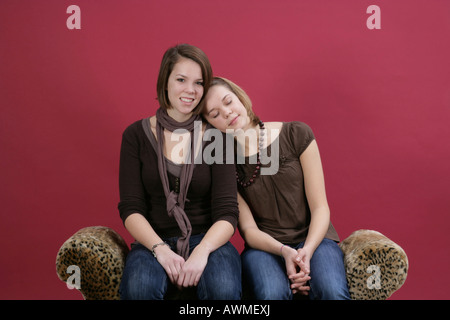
(212, 193)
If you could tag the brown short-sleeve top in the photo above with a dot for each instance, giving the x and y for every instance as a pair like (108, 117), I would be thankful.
(278, 201)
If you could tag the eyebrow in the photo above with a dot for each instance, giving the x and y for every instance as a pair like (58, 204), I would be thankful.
(225, 96)
(182, 75)
(216, 108)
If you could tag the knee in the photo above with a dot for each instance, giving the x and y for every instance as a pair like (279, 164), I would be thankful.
(266, 286)
(221, 279)
(219, 288)
(273, 292)
(328, 278)
(330, 291)
(265, 276)
(339, 294)
(141, 287)
(142, 278)
(229, 291)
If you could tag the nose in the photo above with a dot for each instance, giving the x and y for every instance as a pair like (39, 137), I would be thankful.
(226, 112)
(190, 88)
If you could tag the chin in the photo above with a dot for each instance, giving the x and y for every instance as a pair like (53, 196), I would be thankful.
(185, 110)
(240, 125)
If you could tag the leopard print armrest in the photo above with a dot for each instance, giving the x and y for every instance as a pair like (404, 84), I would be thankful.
(99, 253)
(376, 266)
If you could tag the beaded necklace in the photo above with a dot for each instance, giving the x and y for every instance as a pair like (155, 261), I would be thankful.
(258, 162)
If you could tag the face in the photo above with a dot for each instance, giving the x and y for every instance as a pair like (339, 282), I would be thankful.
(185, 88)
(224, 110)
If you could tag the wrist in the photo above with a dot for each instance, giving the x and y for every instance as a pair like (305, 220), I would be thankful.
(306, 248)
(281, 249)
(203, 249)
(286, 251)
(157, 246)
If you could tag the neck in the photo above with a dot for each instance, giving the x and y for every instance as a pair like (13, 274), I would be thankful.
(174, 122)
(177, 116)
(248, 138)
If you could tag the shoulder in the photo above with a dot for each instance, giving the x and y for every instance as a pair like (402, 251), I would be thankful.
(300, 135)
(298, 126)
(274, 125)
(298, 129)
(134, 130)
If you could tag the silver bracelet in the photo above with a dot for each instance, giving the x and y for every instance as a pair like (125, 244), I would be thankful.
(158, 244)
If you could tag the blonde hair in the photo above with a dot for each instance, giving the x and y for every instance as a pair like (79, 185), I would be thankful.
(239, 92)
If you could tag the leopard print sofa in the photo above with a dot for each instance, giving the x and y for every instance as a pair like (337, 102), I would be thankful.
(99, 253)
(376, 266)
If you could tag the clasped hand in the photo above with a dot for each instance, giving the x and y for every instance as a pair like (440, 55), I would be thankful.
(297, 267)
(182, 273)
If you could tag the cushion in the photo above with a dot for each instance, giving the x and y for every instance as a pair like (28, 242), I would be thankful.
(99, 253)
(376, 266)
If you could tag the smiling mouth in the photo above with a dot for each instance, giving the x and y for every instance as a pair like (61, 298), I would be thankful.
(188, 100)
(233, 121)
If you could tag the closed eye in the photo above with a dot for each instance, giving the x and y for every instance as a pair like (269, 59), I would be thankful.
(213, 113)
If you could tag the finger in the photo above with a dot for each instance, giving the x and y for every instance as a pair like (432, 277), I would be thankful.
(169, 273)
(175, 275)
(187, 280)
(290, 267)
(303, 293)
(304, 266)
(299, 285)
(302, 290)
(197, 279)
(190, 280)
(300, 281)
(181, 278)
(178, 267)
(299, 277)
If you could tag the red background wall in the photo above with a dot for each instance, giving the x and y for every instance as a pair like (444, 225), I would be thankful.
(378, 101)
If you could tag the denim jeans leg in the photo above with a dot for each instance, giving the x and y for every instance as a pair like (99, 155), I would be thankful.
(328, 278)
(143, 277)
(265, 275)
(221, 279)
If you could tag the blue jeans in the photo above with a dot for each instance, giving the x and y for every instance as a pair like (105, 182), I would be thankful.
(265, 274)
(145, 279)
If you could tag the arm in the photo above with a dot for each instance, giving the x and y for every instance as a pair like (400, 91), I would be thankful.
(317, 200)
(218, 234)
(224, 214)
(316, 195)
(142, 231)
(132, 206)
(260, 240)
(252, 235)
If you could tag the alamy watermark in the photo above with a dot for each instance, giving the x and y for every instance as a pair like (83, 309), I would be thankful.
(220, 143)
(74, 281)
(74, 20)
(374, 281)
